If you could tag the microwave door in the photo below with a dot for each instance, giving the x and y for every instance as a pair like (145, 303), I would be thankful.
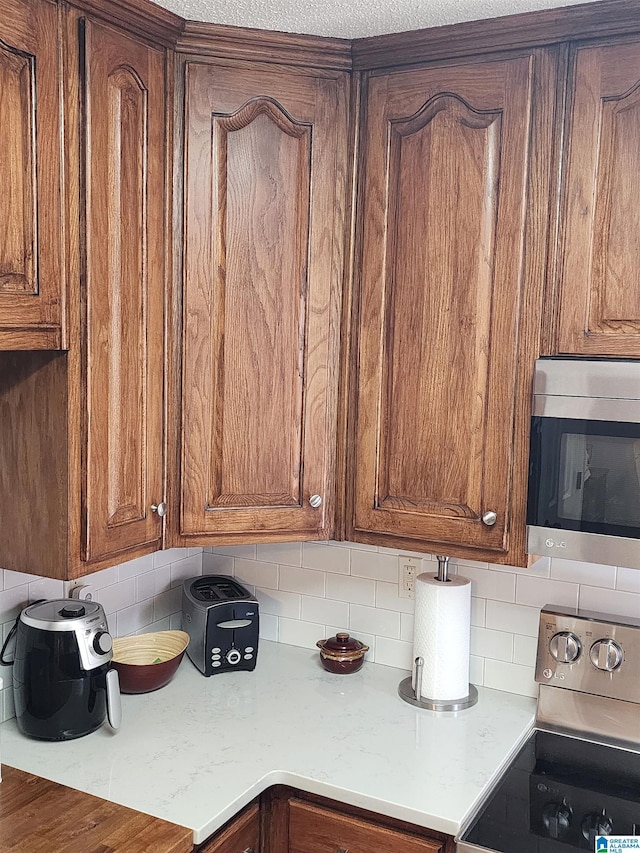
(574, 471)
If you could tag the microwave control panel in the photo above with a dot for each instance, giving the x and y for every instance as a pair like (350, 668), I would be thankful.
(589, 652)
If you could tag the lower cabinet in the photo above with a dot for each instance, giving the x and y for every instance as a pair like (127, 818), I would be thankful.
(242, 835)
(297, 822)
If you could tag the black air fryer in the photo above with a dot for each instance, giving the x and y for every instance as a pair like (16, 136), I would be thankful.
(221, 618)
(62, 685)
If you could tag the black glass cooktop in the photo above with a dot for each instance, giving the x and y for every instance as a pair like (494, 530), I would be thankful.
(557, 795)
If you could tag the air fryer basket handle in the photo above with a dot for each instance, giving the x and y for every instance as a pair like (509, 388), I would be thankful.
(114, 706)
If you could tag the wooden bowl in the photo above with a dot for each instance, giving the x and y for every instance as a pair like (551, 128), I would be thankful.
(147, 662)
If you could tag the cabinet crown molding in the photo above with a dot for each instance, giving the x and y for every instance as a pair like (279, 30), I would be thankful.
(140, 17)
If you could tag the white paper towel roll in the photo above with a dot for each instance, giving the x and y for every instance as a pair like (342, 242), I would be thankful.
(441, 635)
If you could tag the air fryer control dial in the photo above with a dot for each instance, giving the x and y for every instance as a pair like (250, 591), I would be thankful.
(565, 647)
(102, 643)
(606, 655)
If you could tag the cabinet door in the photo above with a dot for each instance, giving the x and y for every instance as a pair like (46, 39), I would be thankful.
(600, 254)
(264, 224)
(31, 233)
(313, 829)
(241, 836)
(123, 282)
(442, 285)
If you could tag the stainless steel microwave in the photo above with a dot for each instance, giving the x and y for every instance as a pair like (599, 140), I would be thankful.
(584, 465)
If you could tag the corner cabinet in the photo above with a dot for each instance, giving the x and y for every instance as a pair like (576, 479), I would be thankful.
(453, 200)
(599, 250)
(264, 196)
(32, 211)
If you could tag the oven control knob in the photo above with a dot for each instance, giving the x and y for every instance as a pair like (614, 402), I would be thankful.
(596, 824)
(557, 819)
(606, 655)
(565, 647)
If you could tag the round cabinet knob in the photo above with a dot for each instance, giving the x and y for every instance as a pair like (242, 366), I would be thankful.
(606, 655)
(596, 824)
(489, 518)
(160, 508)
(557, 819)
(102, 643)
(565, 647)
(315, 501)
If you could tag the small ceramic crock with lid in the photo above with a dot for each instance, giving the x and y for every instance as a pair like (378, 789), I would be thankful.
(342, 654)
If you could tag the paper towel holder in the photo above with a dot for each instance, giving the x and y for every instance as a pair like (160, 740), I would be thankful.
(414, 697)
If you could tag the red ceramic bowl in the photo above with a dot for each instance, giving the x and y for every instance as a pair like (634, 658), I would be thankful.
(147, 662)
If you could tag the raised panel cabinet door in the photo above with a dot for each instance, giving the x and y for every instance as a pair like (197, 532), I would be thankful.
(123, 145)
(262, 268)
(241, 836)
(31, 233)
(600, 251)
(440, 292)
(313, 829)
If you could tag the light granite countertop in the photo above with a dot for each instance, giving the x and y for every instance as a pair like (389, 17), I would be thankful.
(198, 750)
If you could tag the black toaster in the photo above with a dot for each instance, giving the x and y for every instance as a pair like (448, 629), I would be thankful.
(221, 618)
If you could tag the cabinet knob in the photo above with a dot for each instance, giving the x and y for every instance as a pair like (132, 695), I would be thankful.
(315, 501)
(160, 508)
(489, 518)
(342, 850)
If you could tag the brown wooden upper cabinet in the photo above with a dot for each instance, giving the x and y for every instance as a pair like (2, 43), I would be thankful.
(123, 278)
(264, 189)
(454, 189)
(600, 249)
(31, 213)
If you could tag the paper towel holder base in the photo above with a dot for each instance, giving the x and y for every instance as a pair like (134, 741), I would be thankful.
(413, 697)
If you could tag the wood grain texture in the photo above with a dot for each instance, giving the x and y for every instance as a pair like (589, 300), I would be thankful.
(600, 258)
(313, 829)
(241, 835)
(140, 18)
(510, 32)
(31, 233)
(244, 43)
(123, 146)
(261, 281)
(40, 816)
(33, 469)
(443, 289)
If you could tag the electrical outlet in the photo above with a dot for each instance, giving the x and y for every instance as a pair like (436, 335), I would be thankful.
(408, 568)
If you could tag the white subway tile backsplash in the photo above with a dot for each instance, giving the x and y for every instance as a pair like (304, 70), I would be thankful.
(499, 586)
(478, 611)
(279, 603)
(515, 618)
(325, 611)
(387, 597)
(394, 652)
(378, 567)
(326, 558)
(285, 553)
(304, 581)
(524, 650)
(510, 677)
(258, 574)
(382, 623)
(295, 632)
(181, 570)
(487, 643)
(593, 574)
(615, 601)
(269, 627)
(312, 590)
(216, 564)
(353, 590)
(628, 579)
(536, 592)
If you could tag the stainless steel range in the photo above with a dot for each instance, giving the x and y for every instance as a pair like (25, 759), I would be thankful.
(575, 784)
